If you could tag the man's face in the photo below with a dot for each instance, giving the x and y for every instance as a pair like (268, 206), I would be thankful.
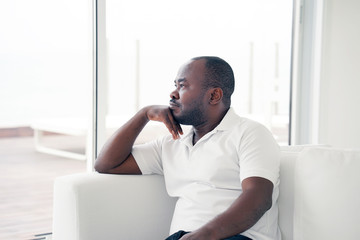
(188, 100)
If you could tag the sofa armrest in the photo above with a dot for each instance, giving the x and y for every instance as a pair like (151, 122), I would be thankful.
(92, 206)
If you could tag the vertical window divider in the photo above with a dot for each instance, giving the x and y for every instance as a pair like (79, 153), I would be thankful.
(99, 94)
(305, 71)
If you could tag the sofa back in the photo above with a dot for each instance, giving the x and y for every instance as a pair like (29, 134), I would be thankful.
(319, 193)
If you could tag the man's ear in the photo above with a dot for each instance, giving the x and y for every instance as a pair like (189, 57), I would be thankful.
(216, 96)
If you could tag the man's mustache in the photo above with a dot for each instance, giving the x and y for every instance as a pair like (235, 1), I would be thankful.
(173, 101)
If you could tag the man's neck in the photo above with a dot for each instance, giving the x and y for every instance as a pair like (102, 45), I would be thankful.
(208, 126)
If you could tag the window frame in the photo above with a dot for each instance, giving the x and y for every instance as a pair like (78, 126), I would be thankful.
(305, 73)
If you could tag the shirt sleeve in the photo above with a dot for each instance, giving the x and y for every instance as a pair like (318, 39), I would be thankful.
(259, 155)
(148, 157)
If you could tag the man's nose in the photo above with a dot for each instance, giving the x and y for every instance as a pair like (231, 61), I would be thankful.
(174, 94)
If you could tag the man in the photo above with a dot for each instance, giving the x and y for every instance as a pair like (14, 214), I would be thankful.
(225, 172)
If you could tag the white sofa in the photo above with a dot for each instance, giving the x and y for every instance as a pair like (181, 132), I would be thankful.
(319, 199)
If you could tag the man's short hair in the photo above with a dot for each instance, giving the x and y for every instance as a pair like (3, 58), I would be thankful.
(219, 74)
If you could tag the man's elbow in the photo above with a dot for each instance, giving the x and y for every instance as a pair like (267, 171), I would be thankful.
(100, 168)
(268, 204)
(264, 206)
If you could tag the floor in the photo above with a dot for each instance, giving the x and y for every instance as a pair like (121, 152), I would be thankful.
(26, 184)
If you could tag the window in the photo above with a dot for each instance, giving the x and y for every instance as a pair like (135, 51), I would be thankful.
(45, 88)
(147, 41)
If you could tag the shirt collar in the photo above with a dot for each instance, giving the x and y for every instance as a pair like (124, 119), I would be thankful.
(226, 123)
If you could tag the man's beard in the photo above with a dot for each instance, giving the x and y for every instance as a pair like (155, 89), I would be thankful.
(194, 116)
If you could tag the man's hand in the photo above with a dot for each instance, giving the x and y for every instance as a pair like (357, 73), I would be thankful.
(163, 114)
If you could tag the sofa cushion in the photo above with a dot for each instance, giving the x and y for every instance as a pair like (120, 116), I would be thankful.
(288, 158)
(327, 194)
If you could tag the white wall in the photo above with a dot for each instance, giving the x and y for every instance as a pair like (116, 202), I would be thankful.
(339, 117)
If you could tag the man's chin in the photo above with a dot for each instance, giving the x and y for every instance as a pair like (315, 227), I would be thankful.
(176, 114)
(178, 118)
(181, 120)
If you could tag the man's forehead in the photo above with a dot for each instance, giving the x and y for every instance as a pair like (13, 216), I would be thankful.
(193, 63)
(190, 68)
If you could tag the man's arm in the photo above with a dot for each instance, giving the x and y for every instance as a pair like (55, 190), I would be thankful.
(246, 210)
(116, 157)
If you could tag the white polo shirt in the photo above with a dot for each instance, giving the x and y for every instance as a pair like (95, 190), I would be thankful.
(207, 176)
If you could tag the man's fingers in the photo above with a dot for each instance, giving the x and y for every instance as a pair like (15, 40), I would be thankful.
(174, 134)
(176, 125)
(180, 129)
(165, 118)
(174, 129)
(163, 114)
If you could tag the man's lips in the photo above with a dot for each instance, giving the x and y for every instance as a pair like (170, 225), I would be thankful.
(173, 104)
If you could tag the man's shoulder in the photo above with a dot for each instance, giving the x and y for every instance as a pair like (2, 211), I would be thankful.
(244, 124)
(232, 120)
(245, 130)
